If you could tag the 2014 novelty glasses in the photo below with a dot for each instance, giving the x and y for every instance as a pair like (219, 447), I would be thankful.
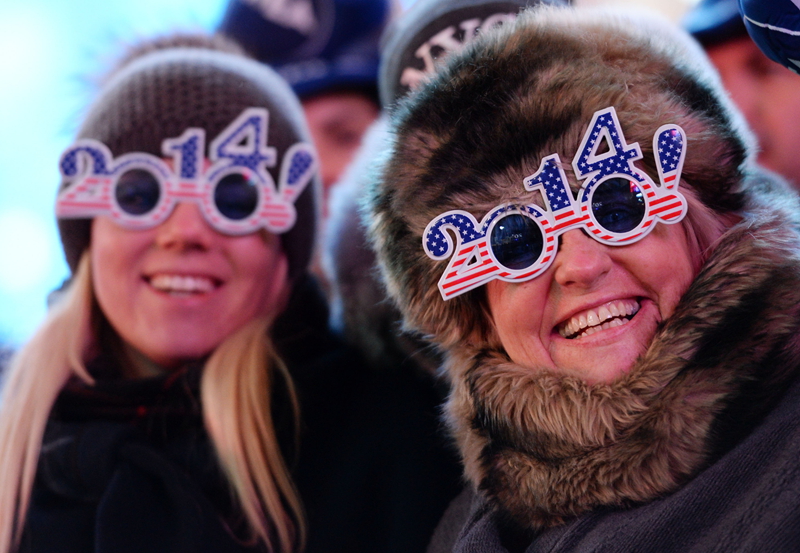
(617, 205)
(235, 193)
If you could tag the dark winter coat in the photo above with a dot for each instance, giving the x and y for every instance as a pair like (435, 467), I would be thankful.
(127, 465)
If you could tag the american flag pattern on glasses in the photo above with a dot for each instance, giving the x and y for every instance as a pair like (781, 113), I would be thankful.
(233, 188)
(618, 204)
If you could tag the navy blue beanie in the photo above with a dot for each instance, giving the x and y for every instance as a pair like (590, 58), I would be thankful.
(714, 21)
(316, 45)
(774, 25)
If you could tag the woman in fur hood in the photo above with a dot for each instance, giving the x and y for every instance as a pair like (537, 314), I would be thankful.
(570, 211)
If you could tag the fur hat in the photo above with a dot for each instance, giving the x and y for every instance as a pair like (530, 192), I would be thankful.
(468, 138)
(164, 87)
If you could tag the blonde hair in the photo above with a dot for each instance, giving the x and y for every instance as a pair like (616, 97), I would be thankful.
(236, 411)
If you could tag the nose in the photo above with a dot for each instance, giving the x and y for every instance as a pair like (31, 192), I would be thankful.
(185, 229)
(581, 261)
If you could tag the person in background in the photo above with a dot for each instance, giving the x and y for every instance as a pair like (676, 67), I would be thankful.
(153, 410)
(428, 31)
(414, 44)
(328, 52)
(765, 91)
(571, 211)
(390, 459)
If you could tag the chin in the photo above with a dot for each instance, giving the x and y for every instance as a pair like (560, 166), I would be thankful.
(606, 374)
(602, 367)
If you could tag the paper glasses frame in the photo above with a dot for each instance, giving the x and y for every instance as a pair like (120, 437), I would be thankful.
(92, 172)
(473, 263)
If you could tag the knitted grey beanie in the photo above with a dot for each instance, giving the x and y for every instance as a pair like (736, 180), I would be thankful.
(163, 92)
(416, 42)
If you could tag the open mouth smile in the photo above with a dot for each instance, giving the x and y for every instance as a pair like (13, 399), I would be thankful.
(609, 315)
(182, 284)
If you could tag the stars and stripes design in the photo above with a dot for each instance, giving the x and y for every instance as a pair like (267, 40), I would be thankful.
(618, 159)
(669, 147)
(93, 173)
(551, 181)
(473, 263)
(187, 151)
(244, 141)
(70, 163)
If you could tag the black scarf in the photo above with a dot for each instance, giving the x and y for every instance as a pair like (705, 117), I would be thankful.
(126, 465)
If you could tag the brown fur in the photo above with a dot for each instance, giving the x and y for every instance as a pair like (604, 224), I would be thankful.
(469, 138)
(545, 447)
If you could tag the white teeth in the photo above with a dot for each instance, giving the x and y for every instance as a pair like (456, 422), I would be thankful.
(606, 316)
(181, 284)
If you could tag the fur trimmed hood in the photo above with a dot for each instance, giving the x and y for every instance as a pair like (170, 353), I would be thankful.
(544, 447)
(469, 137)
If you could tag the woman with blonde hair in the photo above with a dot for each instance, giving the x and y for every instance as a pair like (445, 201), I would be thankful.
(146, 413)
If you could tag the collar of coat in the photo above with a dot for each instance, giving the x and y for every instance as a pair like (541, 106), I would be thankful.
(543, 448)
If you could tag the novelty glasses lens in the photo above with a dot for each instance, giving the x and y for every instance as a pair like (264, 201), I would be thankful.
(137, 192)
(618, 205)
(236, 196)
(516, 241)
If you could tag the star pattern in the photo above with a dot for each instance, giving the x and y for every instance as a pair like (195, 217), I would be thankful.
(300, 163)
(436, 241)
(670, 150)
(472, 266)
(241, 144)
(256, 125)
(189, 165)
(550, 178)
(69, 161)
(607, 128)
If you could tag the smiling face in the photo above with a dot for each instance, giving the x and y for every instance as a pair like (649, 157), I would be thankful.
(597, 307)
(176, 291)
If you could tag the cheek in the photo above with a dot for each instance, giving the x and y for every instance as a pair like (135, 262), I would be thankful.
(667, 264)
(115, 255)
(518, 312)
(263, 270)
